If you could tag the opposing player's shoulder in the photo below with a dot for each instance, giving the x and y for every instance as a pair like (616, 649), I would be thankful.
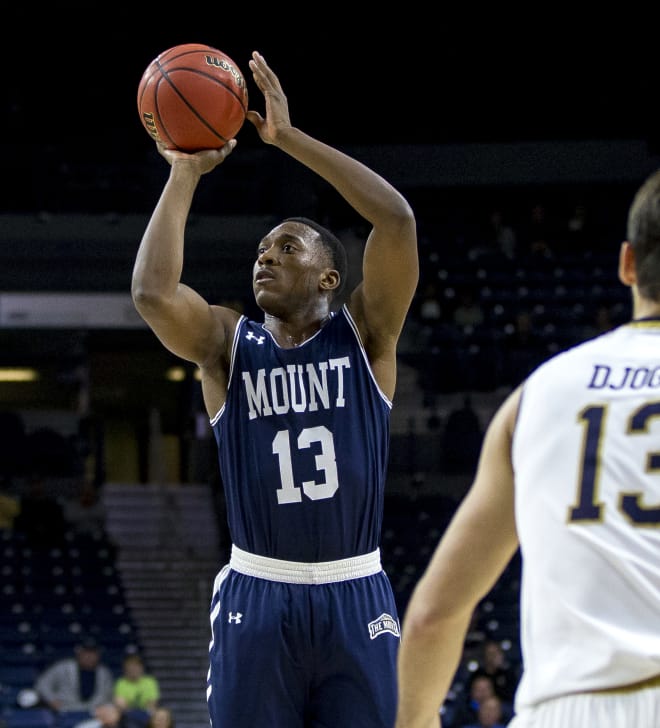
(504, 419)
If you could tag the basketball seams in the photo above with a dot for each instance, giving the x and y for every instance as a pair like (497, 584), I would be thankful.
(162, 128)
(165, 78)
(197, 72)
(188, 49)
(177, 102)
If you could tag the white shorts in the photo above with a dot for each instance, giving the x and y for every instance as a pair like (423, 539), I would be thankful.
(637, 707)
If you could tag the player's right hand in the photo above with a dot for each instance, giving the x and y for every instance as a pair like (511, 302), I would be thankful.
(204, 161)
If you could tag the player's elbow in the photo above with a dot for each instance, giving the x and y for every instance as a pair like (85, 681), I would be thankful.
(423, 620)
(429, 616)
(147, 299)
(402, 218)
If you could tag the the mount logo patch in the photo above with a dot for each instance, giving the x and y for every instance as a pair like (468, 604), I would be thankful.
(384, 624)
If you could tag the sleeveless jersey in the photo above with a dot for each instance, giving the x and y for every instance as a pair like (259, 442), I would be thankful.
(586, 458)
(303, 444)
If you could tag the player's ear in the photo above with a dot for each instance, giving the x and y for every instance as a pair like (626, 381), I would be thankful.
(627, 270)
(330, 279)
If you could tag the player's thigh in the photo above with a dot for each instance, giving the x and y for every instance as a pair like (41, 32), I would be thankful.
(357, 679)
(256, 676)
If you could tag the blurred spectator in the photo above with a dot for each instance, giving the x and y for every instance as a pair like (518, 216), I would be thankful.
(10, 506)
(110, 715)
(497, 241)
(136, 690)
(524, 348)
(461, 439)
(602, 322)
(475, 636)
(489, 714)
(161, 718)
(13, 447)
(504, 238)
(51, 453)
(467, 711)
(78, 683)
(537, 236)
(107, 715)
(41, 516)
(468, 311)
(430, 310)
(86, 513)
(494, 664)
(577, 236)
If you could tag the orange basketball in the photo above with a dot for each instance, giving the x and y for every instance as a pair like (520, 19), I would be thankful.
(192, 97)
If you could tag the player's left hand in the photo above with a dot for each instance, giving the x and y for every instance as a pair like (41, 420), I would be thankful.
(277, 107)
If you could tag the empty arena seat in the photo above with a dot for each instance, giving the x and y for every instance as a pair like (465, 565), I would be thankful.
(29, 718)
(17, 675)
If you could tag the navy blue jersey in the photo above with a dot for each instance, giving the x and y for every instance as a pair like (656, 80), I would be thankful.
(303, 444)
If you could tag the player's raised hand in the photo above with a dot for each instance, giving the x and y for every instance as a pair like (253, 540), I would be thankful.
(277, 107)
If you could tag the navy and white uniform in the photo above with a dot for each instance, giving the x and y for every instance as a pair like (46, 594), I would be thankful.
(304, 623)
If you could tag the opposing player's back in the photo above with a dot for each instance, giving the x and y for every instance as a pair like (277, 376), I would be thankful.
(586, 455)
(569, 471)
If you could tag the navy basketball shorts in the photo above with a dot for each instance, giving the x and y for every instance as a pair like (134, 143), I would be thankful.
(288, 655)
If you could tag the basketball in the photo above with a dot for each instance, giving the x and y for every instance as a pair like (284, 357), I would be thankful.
(192, 97)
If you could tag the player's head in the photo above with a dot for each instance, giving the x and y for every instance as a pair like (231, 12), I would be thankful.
(332, 245)
(643, 234)
(298, 261)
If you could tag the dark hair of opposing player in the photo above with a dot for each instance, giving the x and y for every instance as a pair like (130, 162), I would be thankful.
(643, 233)
(333, 245)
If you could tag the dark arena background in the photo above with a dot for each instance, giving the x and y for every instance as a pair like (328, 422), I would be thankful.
(518, 140)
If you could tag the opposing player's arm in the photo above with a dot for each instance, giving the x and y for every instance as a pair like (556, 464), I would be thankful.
(469, 559)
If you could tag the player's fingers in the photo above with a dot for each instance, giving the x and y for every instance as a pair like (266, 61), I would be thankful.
(255, 117)
(259, 65)
(228, 147)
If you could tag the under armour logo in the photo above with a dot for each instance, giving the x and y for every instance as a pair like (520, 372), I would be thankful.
(383, 625)
(235, 618)
(252, 336)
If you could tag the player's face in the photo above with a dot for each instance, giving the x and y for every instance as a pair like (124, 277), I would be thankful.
(289, 265)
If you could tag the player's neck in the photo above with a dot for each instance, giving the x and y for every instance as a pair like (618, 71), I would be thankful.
(645, 309)
(290, 334)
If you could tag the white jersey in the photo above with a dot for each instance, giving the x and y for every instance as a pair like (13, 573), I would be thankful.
(586, 458)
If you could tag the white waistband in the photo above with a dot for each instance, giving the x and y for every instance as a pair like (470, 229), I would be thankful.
(300, 572)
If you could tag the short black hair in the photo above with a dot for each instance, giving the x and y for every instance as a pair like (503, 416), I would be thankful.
(333, 245)
(643, 234)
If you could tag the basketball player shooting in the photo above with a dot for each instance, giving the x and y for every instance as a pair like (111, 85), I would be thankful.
(305, 630)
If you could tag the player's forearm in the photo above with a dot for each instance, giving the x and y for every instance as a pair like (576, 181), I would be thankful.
(370, 195)
(429, 656)
(159, 262)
